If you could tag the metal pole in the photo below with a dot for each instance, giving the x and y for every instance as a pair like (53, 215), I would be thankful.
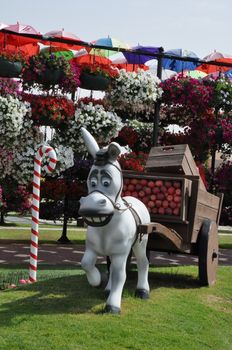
(157, 104)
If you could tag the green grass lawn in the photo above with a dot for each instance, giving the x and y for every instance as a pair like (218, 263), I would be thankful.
(62, 312)
(76, 235)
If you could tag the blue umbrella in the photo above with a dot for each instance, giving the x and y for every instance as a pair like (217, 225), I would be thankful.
(177, 65)
(141, 59)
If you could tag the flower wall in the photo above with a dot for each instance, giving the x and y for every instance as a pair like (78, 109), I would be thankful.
(46, 95)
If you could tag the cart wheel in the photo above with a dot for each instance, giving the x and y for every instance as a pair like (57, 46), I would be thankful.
(208, 253)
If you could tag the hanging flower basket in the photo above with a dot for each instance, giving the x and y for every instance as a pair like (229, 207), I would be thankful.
(51, 111)
(50, 76)
(10, 69)
(49, 71)
(92, 81)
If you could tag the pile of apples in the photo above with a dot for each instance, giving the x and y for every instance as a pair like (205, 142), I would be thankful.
(162, 197)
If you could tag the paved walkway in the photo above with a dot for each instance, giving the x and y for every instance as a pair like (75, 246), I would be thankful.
(60, 254)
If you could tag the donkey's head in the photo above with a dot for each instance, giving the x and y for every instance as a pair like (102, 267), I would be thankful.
(104, 183)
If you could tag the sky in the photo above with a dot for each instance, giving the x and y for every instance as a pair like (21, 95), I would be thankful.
(201, 26)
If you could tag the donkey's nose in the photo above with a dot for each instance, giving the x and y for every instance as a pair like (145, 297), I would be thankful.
(102, 202)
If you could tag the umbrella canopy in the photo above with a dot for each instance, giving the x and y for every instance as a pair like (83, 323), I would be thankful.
(141, 58)
(62, 34)
(196, 74)
(91, 60)
(109, 42)
(214, 56)
(166, 73)
(177, 65)
(210, 68)
(27, 45)
(58, 52)
(22, 28)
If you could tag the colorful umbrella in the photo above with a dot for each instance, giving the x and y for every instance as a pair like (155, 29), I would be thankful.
(196, 74)
(59, 34)
(109, 42)
(210, 68)
(141, 58)
(14, 42)
(177, 65)
(22, 28)
(166, 73)
(214, 56)
(91, 60)
(58, 52)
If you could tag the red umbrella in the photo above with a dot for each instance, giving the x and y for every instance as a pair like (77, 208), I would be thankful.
(91, 60)
(210, 68)
(15, 42)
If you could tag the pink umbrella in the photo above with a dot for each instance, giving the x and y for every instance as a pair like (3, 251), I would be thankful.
(61, 34)
(214, 56)
(21, 28)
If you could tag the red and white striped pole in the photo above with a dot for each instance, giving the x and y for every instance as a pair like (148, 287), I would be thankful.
(35, 204)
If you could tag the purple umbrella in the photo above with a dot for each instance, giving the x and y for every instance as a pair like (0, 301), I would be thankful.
(141, 58)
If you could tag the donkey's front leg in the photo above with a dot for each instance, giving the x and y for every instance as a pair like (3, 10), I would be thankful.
(88, 264)
(117, 279)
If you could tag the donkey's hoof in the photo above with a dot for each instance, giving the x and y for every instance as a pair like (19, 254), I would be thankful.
(142, 293)
(110, 309)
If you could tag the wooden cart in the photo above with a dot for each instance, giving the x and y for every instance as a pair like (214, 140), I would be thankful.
(190, 226)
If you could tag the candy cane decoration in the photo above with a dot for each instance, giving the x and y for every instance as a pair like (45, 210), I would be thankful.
(35, 204)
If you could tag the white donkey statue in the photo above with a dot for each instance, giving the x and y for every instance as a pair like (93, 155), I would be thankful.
(112, 225)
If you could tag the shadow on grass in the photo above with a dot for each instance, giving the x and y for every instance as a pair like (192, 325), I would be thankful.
(68, 292)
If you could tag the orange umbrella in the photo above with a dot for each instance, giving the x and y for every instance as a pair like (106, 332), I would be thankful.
(210, 68)
(91, 60)
(130, 67)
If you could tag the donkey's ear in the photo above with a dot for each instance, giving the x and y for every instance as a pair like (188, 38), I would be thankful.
(90, 142)
(114, 149)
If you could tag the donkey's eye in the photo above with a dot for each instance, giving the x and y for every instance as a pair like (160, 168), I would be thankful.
(93, 181)
(105, 181)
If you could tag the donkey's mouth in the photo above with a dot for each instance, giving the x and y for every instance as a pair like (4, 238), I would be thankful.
(100, 220)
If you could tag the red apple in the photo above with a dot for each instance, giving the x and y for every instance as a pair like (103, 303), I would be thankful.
(155, 190)
(134, 181)
(138, 187)
(168, 211)
(126, 181)
(176, 211)
(151, 184)
(147, 190)
(143, 182)
(163, 189)
(154, 210)
(161, 211)
(178, 191)
(171, 190)
(150, 204)
(177, 199)
(134, 194)
(165, 204)
(131, 187)
(158, 203)
(159, 183)
(172, 205)
(153, 197)
(160, 196)
(176, 184)
(141, 194)
(167, 184)
(170, 198)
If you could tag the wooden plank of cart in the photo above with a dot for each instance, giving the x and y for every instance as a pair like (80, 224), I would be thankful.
(186, 223)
